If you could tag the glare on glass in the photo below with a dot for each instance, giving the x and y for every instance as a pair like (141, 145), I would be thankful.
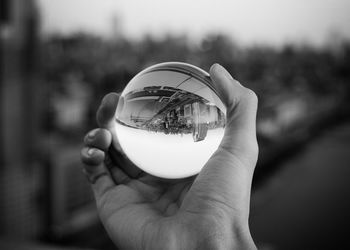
(169, 120)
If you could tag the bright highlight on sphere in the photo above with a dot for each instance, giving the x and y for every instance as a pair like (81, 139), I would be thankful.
(169, 120)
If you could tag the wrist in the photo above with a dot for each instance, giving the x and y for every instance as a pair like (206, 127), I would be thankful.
(209, 234)
(221, 238)
(228, 242)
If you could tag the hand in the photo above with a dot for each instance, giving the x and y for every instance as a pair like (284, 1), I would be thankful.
(207, 211)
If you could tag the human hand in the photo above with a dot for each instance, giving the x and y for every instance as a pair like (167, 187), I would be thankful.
(207, 211)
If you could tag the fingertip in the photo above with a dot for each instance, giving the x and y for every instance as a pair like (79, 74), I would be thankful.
(92, 156)
(223, 84)
(214, 68)
(107, 109)
(219, 71)
(90, 135)
(110, 98)
(98, 138)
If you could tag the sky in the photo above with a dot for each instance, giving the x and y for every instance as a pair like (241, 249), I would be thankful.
(273, 22)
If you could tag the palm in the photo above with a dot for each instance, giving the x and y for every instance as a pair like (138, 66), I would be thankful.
(164, 198)
(146, 205)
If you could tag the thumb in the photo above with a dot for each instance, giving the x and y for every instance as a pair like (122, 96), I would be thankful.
(241, 104)
(225, 180)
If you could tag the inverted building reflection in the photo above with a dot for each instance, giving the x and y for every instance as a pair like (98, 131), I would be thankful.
(169, 110)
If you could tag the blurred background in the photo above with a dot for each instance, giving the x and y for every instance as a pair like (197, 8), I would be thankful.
(59, 58)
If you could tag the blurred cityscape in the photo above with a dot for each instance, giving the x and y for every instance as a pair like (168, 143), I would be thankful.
(50, 90)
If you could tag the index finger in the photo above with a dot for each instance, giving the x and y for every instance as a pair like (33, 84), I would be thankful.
(106, 119)
(106, 112)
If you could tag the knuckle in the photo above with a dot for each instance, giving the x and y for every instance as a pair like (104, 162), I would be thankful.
(253, 152)
(251, 95)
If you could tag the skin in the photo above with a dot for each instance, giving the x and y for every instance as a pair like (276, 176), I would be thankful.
(207, 211)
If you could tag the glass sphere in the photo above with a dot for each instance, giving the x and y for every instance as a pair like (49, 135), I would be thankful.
(169, 120)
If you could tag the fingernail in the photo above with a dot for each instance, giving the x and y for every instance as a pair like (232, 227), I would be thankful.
(91, 151)
(92, 133)
(220, 69)
(215, 66)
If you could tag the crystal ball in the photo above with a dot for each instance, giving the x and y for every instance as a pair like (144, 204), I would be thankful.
(169, 120)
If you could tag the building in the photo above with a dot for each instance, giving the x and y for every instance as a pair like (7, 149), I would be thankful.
(199, 132)
(200, 126)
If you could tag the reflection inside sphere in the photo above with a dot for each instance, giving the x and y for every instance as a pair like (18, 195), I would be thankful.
(169, 120)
